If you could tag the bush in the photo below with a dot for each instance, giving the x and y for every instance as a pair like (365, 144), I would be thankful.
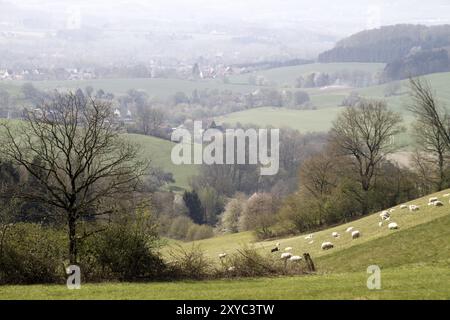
(179, 227)
(189, 264)
(31, 253)
(249, 262)
(199, 232)
(125, 251)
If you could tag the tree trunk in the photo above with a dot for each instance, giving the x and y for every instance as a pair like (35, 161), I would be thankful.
(73, 250)
(441, 172)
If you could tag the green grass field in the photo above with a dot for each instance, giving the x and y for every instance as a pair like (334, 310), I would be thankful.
(408, 282)
(414, 262)
(287, 76)
(159, 151)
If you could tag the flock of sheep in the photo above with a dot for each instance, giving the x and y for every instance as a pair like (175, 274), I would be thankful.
(385, 216)
(355, 234)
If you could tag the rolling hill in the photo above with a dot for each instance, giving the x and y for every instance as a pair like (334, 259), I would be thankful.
(414, 262)
(368, 226)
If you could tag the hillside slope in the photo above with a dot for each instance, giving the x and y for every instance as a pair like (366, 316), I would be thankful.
(372, 237)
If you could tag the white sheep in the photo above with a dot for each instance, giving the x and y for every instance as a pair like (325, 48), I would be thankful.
(413, 207)
(391, 210)
(380, 224)
(286, 255)
(349, 229)
(327, 245)
(393, 226)
(222, 255)
(385, 215)
(335, 234)
(446, 195)
(438, 204)
(288, 249)
(356, 234)
(311, 242)
(403, 206)
(433, 199)
(295, 258)
(309, 236)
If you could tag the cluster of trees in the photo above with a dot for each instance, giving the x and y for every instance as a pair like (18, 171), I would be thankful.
(387, 43)
(208, 103)
(355, 78)
(417, 63)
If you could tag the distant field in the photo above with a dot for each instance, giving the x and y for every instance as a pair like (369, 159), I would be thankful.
(159, 151)
(287, 76)
(304, 120)
(155, 87)
(160, 87)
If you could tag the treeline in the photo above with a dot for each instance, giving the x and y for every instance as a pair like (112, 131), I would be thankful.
(409, 50)
(355, 78)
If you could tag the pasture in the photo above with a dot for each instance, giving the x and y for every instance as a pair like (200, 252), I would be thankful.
(414, 262)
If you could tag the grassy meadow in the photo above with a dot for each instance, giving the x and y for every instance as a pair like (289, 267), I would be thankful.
(414, 262)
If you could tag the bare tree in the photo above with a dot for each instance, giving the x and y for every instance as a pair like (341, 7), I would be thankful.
(365, 133)
(150, 119)
(71, 147)
(431, 130)
(427, 110)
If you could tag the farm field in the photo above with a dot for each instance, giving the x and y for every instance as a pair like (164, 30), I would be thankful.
(328, 101)
(286, 76)
(159, 151)
(414, 262)
(407, 282)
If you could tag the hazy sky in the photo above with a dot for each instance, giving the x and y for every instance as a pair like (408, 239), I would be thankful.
(358, 12)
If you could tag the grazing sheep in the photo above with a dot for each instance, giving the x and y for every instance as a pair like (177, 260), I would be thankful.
(380, 224)
(392, 226)
(391, 210)
(356, 234)
(446, 195)
(413, 207)
(311, 242)
(309, 236)
(385, 215)
(295, 258)
(403, 206)
(438, 204)
(433, 199)
(288, 249)
(335, 234)
(222, 255)
(327, 245)
(286, 255)
(349, 229)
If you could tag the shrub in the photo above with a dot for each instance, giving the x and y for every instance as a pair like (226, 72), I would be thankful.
(125, 251)
(189, 264)
(249, 262)
(179, 227)
(31, 253)
(199, 232)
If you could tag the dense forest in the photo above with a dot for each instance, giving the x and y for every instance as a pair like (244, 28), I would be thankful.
(408, 50)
